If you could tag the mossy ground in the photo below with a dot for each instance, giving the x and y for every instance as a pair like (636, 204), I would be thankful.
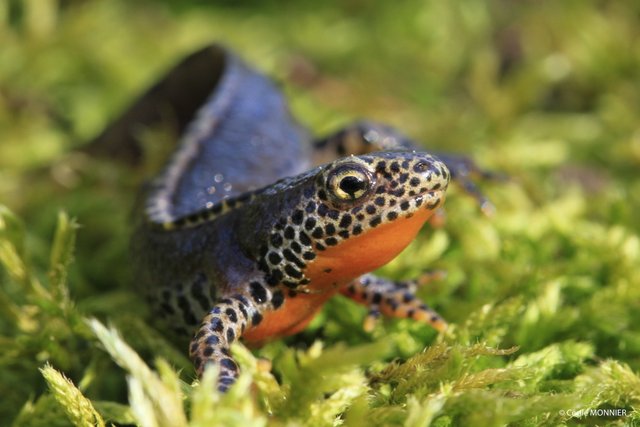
(544, 297)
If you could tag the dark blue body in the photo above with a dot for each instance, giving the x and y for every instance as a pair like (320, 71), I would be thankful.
(241, 139)
(244, 138)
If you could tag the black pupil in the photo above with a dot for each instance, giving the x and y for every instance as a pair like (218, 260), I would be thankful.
(352, 184)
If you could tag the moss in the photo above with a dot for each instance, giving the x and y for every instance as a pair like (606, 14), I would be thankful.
(543, 298)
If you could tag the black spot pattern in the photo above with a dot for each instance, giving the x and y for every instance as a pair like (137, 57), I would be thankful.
(318, 222)
(323, 209)
(345, 221)
(310, 223)
(258, 292)
(231, 314)
(289, 233)
(330, 229)
(297, 217)
(274, 258)
(277, 299)
(304, 238)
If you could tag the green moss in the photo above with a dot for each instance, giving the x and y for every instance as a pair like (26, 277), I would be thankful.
(543, 298)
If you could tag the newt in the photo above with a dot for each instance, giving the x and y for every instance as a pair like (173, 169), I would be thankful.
(252, 225)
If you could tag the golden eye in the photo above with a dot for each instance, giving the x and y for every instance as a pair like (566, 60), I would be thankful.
(349, 182)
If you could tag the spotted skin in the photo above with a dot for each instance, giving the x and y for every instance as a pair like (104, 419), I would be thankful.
(392, 299)
(260, 260)
(304, 258)
(225, 323)
(318, 223)
(289, 287)
(366, 137)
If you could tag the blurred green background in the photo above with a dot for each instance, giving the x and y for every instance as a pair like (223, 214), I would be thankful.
(546, 92)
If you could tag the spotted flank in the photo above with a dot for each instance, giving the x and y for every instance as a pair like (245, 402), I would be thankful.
(160, 214)
(185, 303)
(162, 218)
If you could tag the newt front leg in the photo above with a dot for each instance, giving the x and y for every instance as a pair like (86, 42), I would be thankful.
(225, 323)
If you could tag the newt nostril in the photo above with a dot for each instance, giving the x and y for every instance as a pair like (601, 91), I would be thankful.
(421, 166)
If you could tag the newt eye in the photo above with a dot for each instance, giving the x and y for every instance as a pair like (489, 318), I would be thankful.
(349, 182)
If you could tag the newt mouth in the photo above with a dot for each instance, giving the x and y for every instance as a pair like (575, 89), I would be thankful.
(432, 199)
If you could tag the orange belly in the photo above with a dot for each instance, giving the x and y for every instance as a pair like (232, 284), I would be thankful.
(334, 268)
(294, 315)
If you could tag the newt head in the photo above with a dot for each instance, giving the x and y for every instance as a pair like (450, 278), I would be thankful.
(352, 216)
(383, 199)
(349, 217)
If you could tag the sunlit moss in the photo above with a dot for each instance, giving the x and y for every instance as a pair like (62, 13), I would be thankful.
(542, 297)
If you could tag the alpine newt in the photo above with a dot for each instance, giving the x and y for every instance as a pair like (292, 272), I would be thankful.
(252, 225)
